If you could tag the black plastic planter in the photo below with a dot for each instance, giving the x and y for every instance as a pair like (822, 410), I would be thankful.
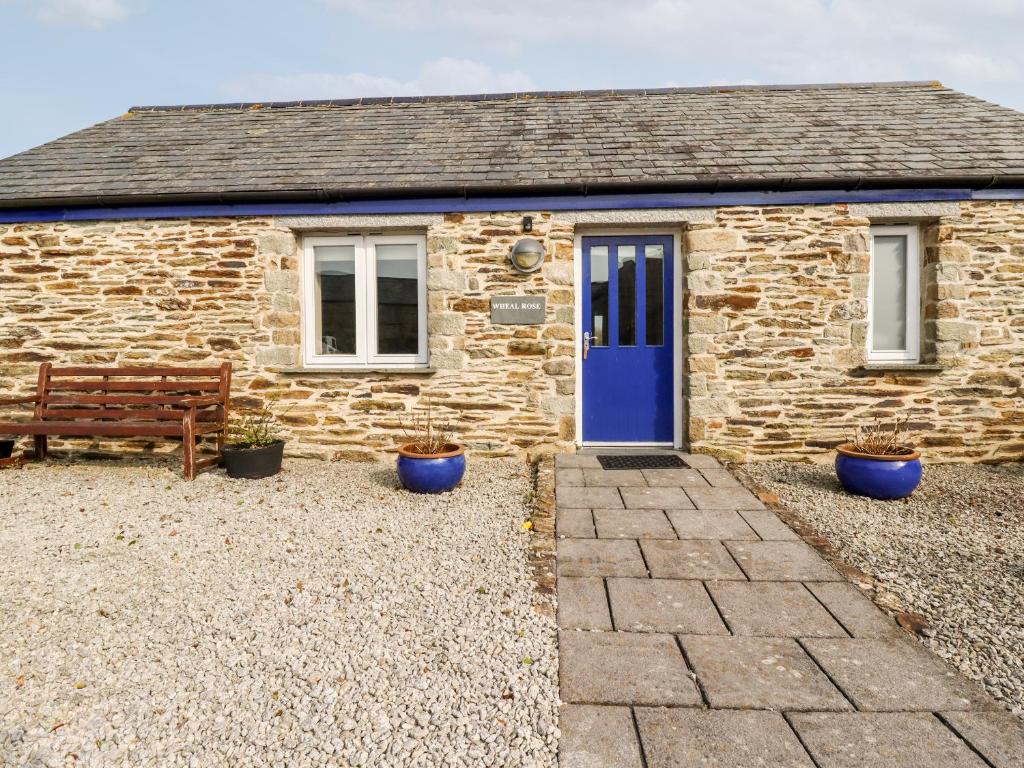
(6, 449)
(253, 463)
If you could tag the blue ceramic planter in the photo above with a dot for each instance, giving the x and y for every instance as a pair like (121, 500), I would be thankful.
(878, 477)
(435, 473)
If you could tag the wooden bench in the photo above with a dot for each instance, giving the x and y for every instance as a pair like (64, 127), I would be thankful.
(185, 403)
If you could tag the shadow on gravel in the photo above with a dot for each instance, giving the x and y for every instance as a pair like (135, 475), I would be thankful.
(812, 476)
(385, 476)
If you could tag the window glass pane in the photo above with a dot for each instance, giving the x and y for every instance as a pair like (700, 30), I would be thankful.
(889, 294)
(599, 296)
(334, 267)
(627, 295)
(397, 299)
(654, 267)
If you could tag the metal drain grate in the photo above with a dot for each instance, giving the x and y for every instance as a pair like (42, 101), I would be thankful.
(642, 461)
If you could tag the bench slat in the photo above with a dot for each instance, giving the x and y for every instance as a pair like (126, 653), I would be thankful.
(95, 428)
(125, 414)
(133, 386)
(85, 370)
(120, 399)
(104, 428)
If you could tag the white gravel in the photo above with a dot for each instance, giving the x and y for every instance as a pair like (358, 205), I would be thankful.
(953, 552)
(322, 617)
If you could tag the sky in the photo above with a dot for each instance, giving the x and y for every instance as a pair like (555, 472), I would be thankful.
(68, 64)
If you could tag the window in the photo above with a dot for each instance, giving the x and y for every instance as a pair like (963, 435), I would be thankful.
(365, 301)
(894, 303)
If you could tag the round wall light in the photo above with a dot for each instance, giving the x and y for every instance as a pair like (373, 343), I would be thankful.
(527, 255)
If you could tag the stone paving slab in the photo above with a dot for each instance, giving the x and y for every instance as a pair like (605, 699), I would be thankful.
(773, 609)
(723, 498)
(623, 668)
(700, 460)
(999, 736)
(583, 603)
(781, 561)
(720, 478)
(570, 497)
(613, 477)
(597, 557)
(693, 559)
(718, 524)
(680, 478)
(681, 738)
(633, 524)
(576, 461)
(760, 673)
(882, 740)
(895, 676)
(860, 616)
(597, 737)
(656, 498)
(622, 625)
(569, 477)
(663, 605)
(768, 525)
(575, 523)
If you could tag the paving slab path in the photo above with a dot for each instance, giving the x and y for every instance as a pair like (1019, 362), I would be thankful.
(697, 629)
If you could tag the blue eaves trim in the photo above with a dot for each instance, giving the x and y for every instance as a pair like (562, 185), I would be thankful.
(487, 204)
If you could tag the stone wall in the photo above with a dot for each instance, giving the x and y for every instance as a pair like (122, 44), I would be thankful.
(777, 309)
(775, 327)
(198, 291)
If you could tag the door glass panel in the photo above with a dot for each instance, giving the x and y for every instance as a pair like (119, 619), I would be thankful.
(654, 260)
(599, 296)
(397, 299)
(627, 295)
(335, 299)
(889, 294)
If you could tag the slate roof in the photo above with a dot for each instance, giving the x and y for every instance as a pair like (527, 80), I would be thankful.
(772, 137)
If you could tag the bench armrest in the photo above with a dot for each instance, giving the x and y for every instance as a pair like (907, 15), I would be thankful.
(19, 400)
(198, 402)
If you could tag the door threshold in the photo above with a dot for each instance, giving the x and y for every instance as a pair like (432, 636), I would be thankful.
(625, 447)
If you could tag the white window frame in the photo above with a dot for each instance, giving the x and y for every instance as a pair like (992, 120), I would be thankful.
(366, 355)
(912, 354)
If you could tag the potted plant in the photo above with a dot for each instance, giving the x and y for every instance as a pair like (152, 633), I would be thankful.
(431, 462)
(879, 462)
(256, 449)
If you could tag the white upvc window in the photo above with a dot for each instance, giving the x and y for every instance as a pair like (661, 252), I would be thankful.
(364, 301)
(894, 295)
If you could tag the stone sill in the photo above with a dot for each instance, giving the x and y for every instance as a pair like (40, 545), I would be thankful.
(880, 368)
(424, 371)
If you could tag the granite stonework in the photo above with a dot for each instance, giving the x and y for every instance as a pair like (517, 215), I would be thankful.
(775, 324)
(189, 292)
(777, 313)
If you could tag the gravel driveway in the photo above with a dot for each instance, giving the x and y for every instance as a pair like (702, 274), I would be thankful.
(322, 617)
(953, 552)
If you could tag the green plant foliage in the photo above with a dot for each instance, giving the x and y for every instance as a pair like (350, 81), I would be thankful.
(254, 429)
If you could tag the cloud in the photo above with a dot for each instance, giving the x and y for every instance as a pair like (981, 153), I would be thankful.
(94, 14)
(766, 40)
(438, 77)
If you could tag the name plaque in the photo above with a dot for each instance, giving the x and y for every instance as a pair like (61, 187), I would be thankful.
(518, 310)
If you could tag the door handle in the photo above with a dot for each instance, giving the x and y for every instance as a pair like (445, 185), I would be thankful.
(586, 344)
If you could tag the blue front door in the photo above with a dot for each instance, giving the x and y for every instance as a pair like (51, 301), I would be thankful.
(628, 391)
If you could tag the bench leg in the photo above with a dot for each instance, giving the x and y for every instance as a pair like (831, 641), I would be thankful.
(40, 446)
(188, 444)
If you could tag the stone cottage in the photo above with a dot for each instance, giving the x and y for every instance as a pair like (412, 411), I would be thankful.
(742, 271)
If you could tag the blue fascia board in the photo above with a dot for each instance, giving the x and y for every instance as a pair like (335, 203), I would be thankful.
(488, 204)
(999, 194)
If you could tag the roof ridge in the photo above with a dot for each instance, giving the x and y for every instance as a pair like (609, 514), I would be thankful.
(516, 95)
